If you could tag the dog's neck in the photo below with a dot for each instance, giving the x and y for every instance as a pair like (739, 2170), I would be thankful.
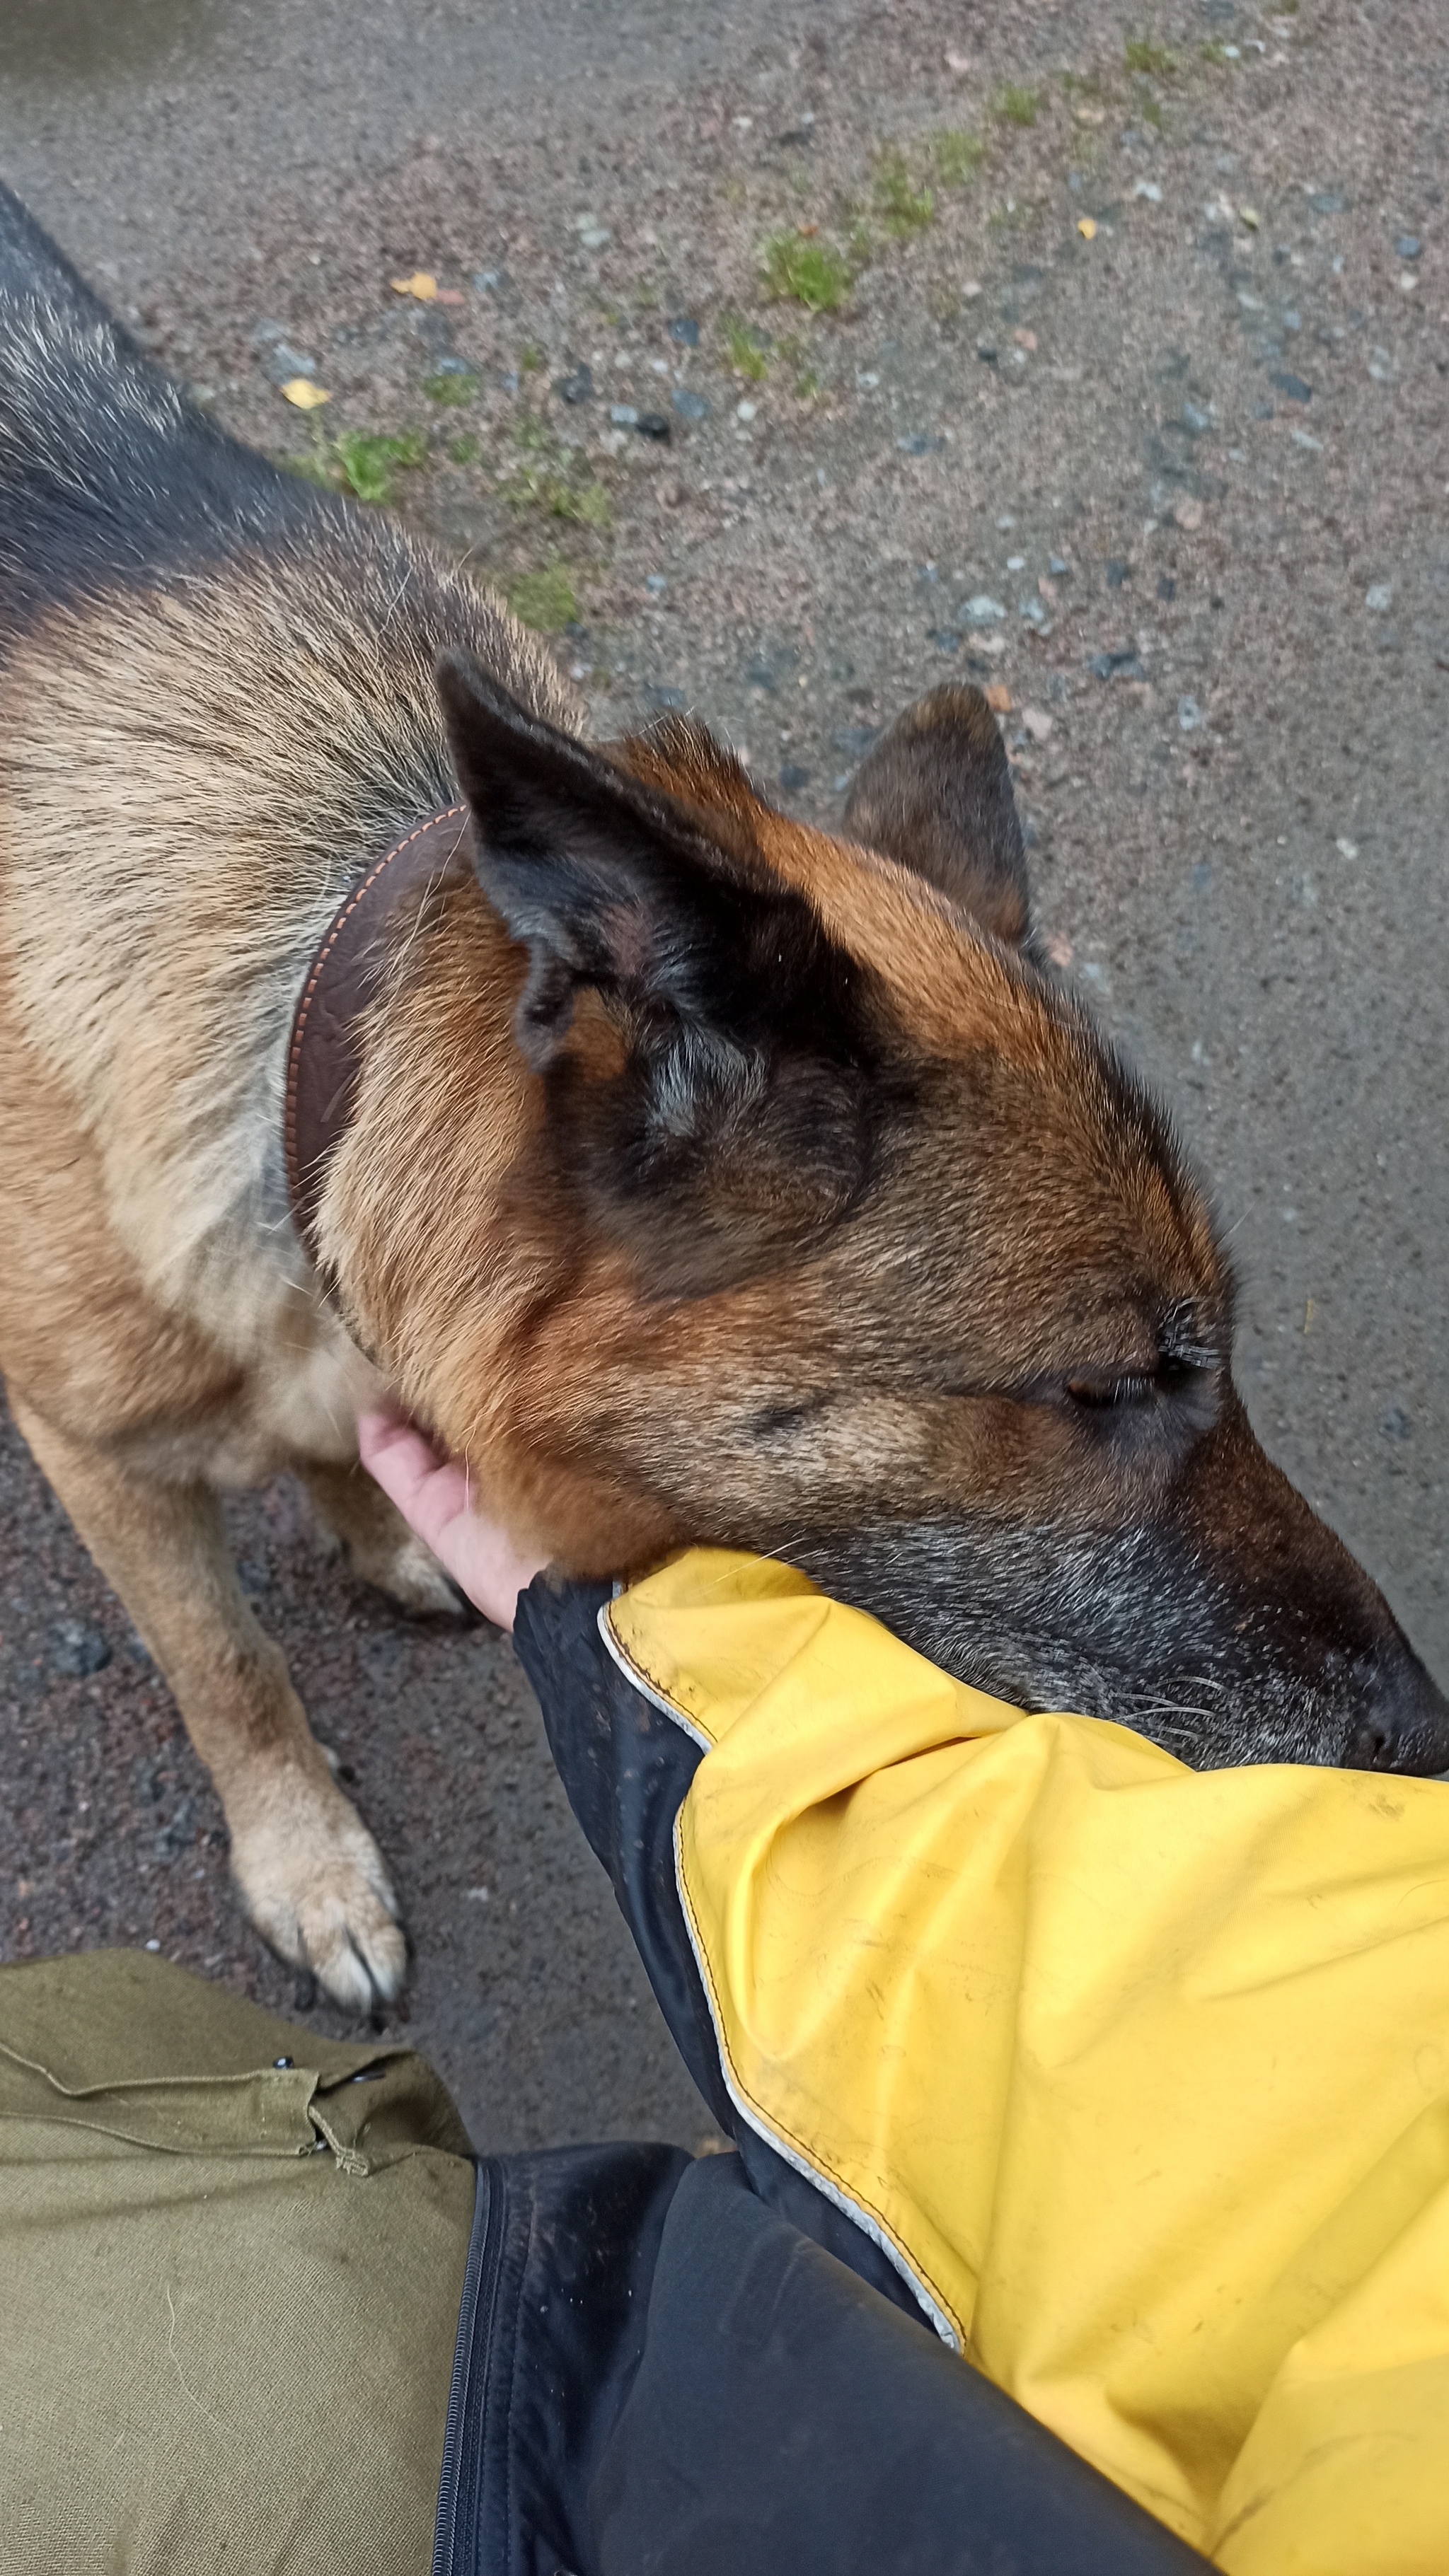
(394, 901)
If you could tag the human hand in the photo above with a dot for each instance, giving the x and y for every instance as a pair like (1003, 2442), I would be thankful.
(433, 1498)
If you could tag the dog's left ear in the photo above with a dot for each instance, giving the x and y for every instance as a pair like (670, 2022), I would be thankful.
(935, 794)
(665, 908)
(740, 1122)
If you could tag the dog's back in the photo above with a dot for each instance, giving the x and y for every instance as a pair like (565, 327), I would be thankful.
(218, 703)
(109, 476)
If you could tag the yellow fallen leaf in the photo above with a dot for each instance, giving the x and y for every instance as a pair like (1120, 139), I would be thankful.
(420, 284)
(1086, 228)
(1249, 216)
(301, 391)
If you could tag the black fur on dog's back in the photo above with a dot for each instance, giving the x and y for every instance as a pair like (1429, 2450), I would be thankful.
(109, 476)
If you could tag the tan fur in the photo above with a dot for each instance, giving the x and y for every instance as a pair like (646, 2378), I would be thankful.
(161, 1332)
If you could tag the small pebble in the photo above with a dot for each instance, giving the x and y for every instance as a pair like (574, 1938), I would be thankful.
(655, 584)
(1016, 563)
(745, 410)
(77, 1649)
(281, 361)
(1407, 245)
(1346, 849)
(577, 386)
(685, 330)
(1379, 597)
(652, 424)
(987, 350)
(690, 406)
(1116, 572)
(981, 610)
(623, 416)
(1057, 567)
(792, 776)
(1291, 385)
(1189, 715)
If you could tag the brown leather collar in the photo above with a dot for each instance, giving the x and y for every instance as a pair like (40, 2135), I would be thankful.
(394, 901)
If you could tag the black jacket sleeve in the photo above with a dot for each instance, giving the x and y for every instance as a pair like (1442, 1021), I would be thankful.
(627, 1769)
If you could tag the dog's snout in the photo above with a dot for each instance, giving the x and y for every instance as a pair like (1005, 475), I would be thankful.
(1404, 1723)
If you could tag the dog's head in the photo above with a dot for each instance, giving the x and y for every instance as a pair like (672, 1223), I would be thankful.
(876, 1255)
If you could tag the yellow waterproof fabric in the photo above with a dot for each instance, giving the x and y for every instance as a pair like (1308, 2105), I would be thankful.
(1144, 2072)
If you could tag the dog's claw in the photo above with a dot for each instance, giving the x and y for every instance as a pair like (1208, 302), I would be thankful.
(314, 1884)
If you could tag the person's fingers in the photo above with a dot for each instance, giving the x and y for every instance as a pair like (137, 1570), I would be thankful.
(433, 1496)
(427, 1490)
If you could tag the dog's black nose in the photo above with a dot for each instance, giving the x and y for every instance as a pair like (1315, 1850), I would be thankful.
(1404, 1724)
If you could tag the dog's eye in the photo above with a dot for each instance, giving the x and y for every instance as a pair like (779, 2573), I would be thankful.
(1116, 1391)
(1106, 1394)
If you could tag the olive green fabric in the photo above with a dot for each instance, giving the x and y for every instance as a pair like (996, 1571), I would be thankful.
(229, 2289)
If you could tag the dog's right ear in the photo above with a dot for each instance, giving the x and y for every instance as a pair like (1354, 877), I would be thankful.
(665, 908)
(935, 794)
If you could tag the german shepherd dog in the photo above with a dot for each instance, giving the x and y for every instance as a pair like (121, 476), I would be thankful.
(707, 1178)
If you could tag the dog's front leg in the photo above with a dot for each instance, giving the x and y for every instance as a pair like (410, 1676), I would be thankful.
(311, 1875)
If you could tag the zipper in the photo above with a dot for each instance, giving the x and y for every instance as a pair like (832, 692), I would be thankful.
(451, 2552)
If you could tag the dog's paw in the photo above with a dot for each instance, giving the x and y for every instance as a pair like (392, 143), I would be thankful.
(411, 1576)
(314, 1884)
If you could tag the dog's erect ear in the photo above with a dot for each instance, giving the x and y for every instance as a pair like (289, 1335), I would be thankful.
(936, 794)
(608, 881)
(739, 1123)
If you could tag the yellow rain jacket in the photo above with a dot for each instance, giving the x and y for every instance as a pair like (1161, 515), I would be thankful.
(1140, 2075)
